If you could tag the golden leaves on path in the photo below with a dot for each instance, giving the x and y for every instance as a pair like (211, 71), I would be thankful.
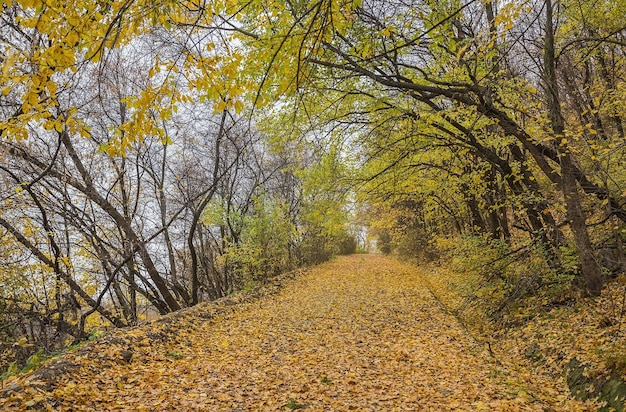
(359, 333)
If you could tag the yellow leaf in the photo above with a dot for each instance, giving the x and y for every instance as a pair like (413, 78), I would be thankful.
(32, 99)
(219, 107)
(72, 39)
(238, 106)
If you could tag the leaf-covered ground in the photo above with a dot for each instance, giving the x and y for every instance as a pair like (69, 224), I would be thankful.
(359, 333)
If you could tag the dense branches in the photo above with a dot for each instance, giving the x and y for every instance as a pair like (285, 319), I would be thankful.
(473, 80)
(159, 154)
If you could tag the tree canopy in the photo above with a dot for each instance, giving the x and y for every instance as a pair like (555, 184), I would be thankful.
(157, 154)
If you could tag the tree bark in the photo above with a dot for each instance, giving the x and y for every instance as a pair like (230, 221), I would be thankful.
(589, 267)
(126, 226)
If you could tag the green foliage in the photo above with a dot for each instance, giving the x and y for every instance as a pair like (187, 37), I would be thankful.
(323, 225)
(569, 259)
(479, 254)
(37, 357)
(214, 213)
(264, 247)
(402, 228)
(614, 356)
(293, 404)
(503, 281)
(175, 355)
(34, 361)
(384, 241)
(12, 370)
(346, 244)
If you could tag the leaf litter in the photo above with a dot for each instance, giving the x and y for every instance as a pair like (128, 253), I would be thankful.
(361, 333)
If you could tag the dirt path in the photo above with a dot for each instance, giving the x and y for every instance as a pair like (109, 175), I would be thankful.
(360, 333)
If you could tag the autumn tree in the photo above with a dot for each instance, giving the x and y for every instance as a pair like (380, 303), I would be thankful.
(483, 74)
(162, 153)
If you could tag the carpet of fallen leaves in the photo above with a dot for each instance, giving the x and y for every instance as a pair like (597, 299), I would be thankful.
(359, 333)
(540, 339)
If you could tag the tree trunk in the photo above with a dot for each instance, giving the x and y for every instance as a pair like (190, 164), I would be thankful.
(589, 267)
(126, 226)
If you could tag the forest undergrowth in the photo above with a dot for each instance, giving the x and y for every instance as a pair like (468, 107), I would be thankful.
(363, 332)
(548, 336)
